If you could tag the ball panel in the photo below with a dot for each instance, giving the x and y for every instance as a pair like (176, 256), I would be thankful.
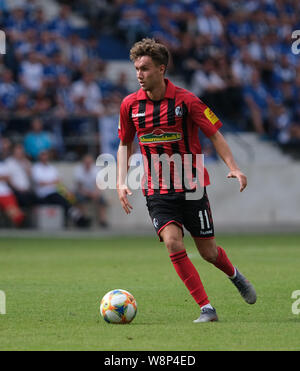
(130, 313)
(118, 306)
(118, 299)
(112, 317)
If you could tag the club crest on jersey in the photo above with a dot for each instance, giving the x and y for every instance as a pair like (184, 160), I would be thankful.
(159, 136)
(155, 222)
(178, 111)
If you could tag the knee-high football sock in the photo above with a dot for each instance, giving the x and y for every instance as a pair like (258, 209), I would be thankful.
(189, 276)
(223, 263)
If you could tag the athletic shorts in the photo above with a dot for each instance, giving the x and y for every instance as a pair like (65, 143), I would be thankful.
(194, 215)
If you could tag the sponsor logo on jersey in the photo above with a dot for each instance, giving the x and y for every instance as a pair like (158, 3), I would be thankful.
(210, 115)
(140, 114)
(159, 136)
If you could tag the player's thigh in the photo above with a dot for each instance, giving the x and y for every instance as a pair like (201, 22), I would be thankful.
(165, 210)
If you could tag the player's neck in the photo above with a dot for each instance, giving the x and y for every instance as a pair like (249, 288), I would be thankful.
(158, 93)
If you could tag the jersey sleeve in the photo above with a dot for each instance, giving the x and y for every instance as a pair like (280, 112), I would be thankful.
(204, 117)
(126, 128)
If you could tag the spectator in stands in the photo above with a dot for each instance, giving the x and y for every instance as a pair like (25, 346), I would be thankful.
(26, 44)
(8, 202)
(133, 21)
(209, 22)
(23, 106)
(47, 44)
(243, 67)
(86, 189)
(75, 51)
(253, 35)
(38, 20)
(19, 123)
(208, 84)
(16, 23)
(165, 29)
(61, 24)
(37, 140)
(19, 170)
(49, 190)
(5, 148)
(87, 91)
(32, 73)
(42, 103)
(256, 98)
(63, 95)
(9, 89)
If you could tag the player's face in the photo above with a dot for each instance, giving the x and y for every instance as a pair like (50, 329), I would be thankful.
(149, 74)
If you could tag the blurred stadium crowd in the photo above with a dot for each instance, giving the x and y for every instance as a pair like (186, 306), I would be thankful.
(235, 55)
(25, 185)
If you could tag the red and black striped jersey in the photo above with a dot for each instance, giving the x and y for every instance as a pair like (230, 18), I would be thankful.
(167, 127)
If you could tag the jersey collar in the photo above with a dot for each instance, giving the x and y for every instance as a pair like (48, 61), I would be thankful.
(170, 91)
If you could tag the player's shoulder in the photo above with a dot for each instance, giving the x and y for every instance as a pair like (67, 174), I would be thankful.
(187, 96)
(129, 99)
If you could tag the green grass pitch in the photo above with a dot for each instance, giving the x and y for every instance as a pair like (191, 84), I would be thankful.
(53, 289)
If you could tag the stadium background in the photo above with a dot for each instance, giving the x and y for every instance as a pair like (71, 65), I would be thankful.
(66, 63)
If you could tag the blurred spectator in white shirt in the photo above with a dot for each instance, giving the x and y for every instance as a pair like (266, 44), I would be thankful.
(88, 91)
(209, 22)
(86, 189)
(207, 80)
(19, 170)
(50, 190)
(32, 73)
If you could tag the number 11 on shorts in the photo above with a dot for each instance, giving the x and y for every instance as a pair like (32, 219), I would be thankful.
(204, 217)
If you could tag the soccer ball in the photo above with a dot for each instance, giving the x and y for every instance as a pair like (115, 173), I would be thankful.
(118, 306)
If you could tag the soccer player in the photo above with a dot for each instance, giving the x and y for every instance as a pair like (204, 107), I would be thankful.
(166, 119)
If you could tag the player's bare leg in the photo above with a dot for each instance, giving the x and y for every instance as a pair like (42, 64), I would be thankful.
(214, 254)
(172, 237)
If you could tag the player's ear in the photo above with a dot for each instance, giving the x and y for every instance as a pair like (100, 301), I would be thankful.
(163, 68)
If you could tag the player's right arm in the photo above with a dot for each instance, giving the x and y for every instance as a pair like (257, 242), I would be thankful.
(126, 134)
(124, 152)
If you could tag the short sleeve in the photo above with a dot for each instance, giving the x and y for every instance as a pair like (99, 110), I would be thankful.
(126, 127)
(204, 117)
(78, 174)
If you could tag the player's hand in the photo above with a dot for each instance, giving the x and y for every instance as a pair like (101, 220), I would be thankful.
(123, 192)
(240, 176)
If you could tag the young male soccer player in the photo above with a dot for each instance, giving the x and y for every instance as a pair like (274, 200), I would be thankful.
(166, 120)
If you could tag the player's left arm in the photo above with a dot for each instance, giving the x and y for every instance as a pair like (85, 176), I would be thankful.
(226, 155)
